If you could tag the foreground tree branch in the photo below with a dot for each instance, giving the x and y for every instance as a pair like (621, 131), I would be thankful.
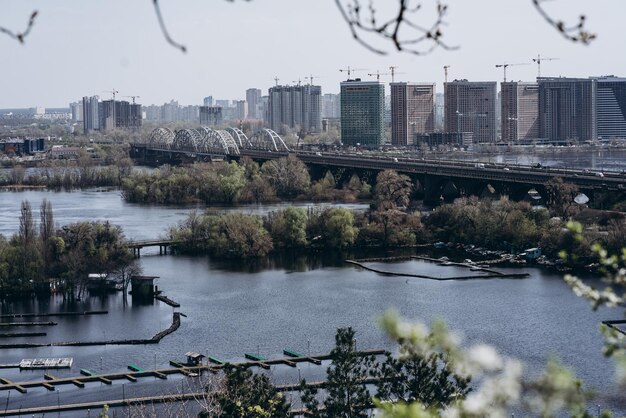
(401, 30)
(574, 33)
(362, 21)
(168, 38)
(20, 36)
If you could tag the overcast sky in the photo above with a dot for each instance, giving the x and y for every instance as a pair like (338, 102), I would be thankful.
(84, 47)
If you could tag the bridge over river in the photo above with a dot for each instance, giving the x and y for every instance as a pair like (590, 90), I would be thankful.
(437, 179)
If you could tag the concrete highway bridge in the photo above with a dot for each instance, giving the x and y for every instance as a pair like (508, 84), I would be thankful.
(436, 179)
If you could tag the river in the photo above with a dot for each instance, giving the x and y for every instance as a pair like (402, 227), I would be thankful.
(233, 309)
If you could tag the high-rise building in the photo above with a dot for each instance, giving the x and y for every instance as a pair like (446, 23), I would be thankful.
(412, 111)
(128, 115)
(106, 111)
(567, 109)
(208, 101)
(242, 109)
(362, 112)
(224, 103)
(470, 106)
(211, 116)
(91, 117)
(253, 96)
(295, 107)
(331, 108)
(611, 107)
(76, 109)
(264, 109)
(119, 114)
(439, 110)
(520, 111)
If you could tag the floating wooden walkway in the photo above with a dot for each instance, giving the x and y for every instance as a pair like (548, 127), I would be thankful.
(491, 274)
(154, 340)
(22, 334)
(136, 372)
(167, 301)
(27, 324)
(613, 324)
(37, 315)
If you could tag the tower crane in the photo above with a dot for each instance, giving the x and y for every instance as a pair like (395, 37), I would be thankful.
(506, 65)
(350, 70)
(276, 80)
(393, 72)
(311, 77)
(113, 92)
(538, 61)
(378, 74)
(133, 97)
(445, 72)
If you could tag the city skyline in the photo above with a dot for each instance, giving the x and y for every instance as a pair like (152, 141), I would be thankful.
(83, 58)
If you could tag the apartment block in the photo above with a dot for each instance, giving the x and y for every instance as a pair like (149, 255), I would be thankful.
(412, 111)
(470, 106)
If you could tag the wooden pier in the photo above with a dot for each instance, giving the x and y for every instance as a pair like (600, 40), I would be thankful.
(136, 372)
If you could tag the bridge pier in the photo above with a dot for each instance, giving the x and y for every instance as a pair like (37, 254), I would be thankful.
(432, 190)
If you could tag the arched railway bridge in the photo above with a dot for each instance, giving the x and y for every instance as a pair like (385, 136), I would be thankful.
(436, 178)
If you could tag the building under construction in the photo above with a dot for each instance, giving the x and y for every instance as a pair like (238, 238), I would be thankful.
(520, 111)
(297, 108)
(567, 109)
(470, 106)
(412, 111)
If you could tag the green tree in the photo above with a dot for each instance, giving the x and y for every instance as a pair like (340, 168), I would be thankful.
(247, 395)
(288, 228)
(414, 376)
(339, 230)
(346, 395)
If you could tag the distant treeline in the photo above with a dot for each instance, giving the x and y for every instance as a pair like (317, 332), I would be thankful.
(244, 182)
(106, 167)
(494, 224)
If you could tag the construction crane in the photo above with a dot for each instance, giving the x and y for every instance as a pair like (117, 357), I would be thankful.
(378, 74)
(393, 72)
(506, 65)
(445, 71)
(276, 80)
(350, 70)
(113, 92)
(311, 77)
(299, 82)
(538, 61)
(133, 97)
